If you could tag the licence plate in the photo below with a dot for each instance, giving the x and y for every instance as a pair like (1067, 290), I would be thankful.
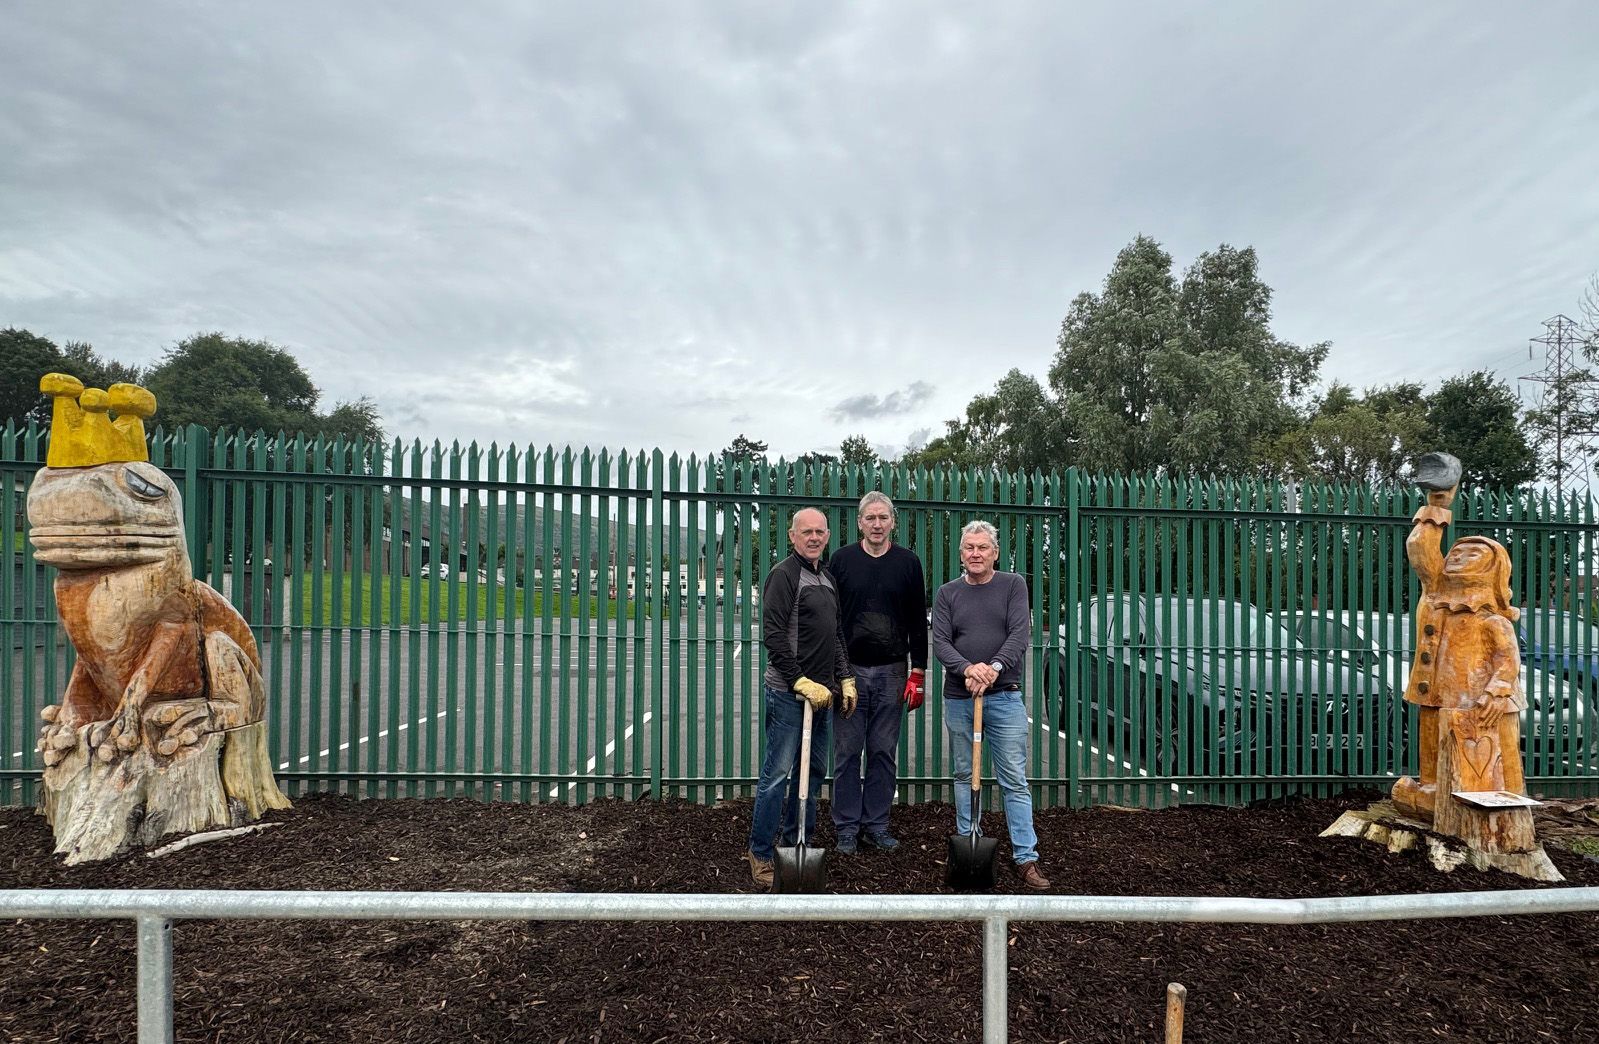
(1338, 742)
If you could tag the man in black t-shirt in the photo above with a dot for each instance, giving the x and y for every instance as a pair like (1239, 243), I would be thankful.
(883, 605)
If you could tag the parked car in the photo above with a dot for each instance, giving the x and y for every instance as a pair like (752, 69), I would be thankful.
(1562, 643)
(1383, 642)
(1213, 684)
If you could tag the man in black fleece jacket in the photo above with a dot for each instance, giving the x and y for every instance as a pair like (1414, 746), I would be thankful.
(805, 660)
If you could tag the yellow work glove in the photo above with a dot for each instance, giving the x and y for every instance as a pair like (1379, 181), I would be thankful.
(814, 692)
(849, 696)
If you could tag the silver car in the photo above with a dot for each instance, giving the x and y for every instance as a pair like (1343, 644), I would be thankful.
(1556, 716)
(1211, 686)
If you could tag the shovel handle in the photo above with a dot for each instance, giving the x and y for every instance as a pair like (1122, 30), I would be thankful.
(805, 769)
(805, 756)
(977, 743)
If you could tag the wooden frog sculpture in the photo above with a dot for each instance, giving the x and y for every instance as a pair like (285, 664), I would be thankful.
(160, 730)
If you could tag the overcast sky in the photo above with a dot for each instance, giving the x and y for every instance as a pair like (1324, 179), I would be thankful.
(639, 225)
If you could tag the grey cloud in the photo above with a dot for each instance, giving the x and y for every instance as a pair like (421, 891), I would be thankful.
(628, 224)
(866, 406)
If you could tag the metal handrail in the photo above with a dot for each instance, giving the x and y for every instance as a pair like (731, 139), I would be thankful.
(154, 911)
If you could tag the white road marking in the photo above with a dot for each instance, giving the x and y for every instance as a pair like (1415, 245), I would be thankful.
(346, 745)
(1044, 726)
(609, 749)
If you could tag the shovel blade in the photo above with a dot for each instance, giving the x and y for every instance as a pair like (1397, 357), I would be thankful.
(971, 862)
(799, 868)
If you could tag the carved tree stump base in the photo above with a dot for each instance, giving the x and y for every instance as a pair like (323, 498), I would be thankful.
(1383, 824)
(101, 800)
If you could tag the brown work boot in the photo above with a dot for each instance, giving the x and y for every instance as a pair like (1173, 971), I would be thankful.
(760, 870)
(1032, 877)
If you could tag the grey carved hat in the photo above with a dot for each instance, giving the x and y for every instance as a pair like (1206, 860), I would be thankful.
(1437, 471)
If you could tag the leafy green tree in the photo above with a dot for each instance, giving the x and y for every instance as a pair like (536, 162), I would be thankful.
(1016, 427)
(1351, 438)
(855, 451)
(354, 420)
(733, 478)
(1476, 417)
(24, 358)
(81, 360)
(950, 450)
(1160, 375)
(1555, 427)
(745, 447)
(217, 381)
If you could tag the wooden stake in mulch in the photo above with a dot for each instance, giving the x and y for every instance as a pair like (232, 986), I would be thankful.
(160, 729)
(1176, 999)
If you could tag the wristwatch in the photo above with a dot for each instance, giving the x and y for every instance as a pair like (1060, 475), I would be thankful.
(998, 667)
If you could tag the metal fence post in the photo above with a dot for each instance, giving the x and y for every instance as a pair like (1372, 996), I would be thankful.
(155, 980)
(1070, 677)
(194, 437)
(996, 970)
(663, 603)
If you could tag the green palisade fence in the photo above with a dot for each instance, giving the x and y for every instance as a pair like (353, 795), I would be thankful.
(562, 626)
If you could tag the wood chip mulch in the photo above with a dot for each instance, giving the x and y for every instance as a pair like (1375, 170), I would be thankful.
(1514, 979)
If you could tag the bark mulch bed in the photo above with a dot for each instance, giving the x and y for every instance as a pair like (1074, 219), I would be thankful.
(1486, 979)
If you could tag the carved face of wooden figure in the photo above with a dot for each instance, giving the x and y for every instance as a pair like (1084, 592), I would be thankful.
(1468, 559)
(104, 516)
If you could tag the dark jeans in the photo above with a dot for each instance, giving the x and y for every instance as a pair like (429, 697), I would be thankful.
(874, 729)
(776, 795)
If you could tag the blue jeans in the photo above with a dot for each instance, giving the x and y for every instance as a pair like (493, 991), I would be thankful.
(1005, 740)
(785, 718)
(873, 728)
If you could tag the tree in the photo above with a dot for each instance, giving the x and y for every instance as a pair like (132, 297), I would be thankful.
(1160, 375)
(1016, 427)
(357, 420)
(745, 447)
(855, 451)
(1566, 417)
(81, 360)
(217, 381)
(1350, 438)
(24, 358)
(732, 477)
(1475, 417)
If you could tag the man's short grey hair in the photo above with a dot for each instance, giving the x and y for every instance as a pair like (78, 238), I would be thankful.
(793, 520)
(878, 497)
(985, 528)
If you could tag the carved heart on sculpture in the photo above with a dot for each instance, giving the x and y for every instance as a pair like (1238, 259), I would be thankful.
(1478, 755)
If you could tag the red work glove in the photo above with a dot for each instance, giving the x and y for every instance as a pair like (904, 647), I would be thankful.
(915, 689)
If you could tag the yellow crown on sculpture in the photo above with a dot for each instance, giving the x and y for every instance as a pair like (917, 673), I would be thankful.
(82, 432)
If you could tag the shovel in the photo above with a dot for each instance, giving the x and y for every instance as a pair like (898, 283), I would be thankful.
(971, 856)
(799, 868)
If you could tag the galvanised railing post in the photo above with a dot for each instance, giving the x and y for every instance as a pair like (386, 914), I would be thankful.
(155, 980)
(154, 910)
(996, 969)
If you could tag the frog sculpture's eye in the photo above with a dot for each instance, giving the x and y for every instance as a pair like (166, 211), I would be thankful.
(143, 487)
